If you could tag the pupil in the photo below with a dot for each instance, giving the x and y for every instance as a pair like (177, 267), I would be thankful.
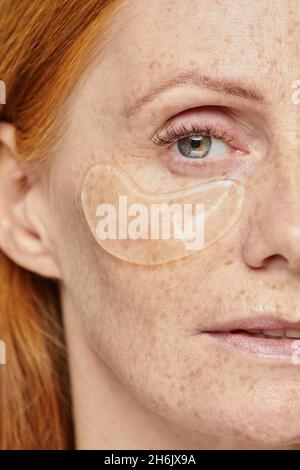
(195, 143)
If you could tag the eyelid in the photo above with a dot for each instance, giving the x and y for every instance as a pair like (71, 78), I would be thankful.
(173, 134)
(214, 123)
(219, 124)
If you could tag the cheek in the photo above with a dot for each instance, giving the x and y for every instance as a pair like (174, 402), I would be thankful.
(140, 321)
(135, 317)
(140, 326)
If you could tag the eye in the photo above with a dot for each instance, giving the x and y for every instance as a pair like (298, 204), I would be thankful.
(200, 147)
(201, 141)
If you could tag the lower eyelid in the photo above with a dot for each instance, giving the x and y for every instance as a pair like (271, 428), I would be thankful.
(201, 168)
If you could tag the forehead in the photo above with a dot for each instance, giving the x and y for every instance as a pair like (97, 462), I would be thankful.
(250, 38)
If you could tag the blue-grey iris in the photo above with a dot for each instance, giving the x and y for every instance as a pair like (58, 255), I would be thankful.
(195, 146)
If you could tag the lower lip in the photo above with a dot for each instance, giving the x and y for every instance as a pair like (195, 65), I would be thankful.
(285, 349)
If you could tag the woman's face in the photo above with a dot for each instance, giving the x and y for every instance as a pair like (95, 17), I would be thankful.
(196, 62)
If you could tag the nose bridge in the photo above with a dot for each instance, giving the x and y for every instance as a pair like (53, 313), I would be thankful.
(275, 186)
(272, 205)
(288, 143)
(285, 174)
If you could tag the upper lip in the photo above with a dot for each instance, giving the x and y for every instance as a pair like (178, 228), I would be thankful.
(256, 323)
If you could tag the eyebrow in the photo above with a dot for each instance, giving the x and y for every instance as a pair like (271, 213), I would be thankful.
(226, 86)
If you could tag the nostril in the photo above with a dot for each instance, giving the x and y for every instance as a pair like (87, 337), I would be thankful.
(277, 259)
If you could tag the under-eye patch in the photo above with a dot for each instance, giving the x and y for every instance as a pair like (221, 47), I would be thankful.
(178, 219)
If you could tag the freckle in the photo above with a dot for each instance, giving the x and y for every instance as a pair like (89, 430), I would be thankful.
(228, 262)
(166, 289)
(197, 371)
(243, 378)
(162, 397)
(260, 54)
(253, 385)
(273, 61)
(182, 387)
(230, 249)
(179, 402)
(196, 413)
(152, 64)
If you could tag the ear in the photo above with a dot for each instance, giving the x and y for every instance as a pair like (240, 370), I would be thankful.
(22, 235)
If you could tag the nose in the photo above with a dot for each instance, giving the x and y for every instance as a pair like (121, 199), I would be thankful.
(271, 219)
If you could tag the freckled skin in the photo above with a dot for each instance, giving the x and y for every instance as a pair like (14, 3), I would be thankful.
(140, 321)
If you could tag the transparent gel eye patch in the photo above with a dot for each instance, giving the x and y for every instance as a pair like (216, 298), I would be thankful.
(147, 228)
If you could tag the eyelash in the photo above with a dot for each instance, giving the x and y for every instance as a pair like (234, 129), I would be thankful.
(177, 132)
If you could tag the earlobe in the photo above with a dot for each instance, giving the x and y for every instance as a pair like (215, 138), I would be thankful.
(20, 239)
(8, 136)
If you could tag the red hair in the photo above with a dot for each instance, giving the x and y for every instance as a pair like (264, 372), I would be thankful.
(44, 49)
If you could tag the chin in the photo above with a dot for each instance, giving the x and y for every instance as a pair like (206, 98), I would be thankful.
(266, 427)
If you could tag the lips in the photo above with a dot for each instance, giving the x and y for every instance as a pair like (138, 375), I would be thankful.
(289, 333)
(269, 333)
(264, 337)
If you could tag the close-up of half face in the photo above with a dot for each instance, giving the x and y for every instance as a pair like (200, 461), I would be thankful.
(190, 342)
